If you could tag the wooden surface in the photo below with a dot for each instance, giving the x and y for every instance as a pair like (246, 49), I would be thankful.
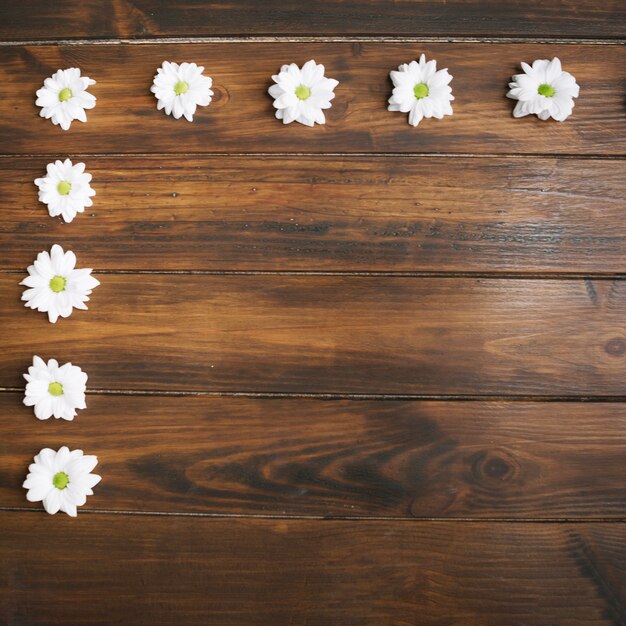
(241, 116)
(235, 572)
(373, 214)
(345, 458)
(332, 334)
(73, 19)
(357, 375)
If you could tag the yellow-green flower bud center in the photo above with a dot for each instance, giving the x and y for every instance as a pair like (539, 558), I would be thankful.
(420, 90)
(303, 92)
(57, 284)
(546, 90)
(181, 87)
(65, 94)
(60, 480)
(55, 389)
(64, 187)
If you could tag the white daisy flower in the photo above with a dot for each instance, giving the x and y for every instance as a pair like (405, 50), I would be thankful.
(179, 89)
(301, 94)
(55, 391)
(421, 91)
(55, 286)
(64, 97)
(62, 479)
(65, 189)
(544, 90)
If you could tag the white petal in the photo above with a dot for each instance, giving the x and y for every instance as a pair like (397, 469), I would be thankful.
(415, 116)
(68, 507)
(46, 458)
(39, 486)
(82, 465)
(52, 501)
(43, 407)
(62, 458)
(435, 104)
(553, 70)
(198, 93)
(289, 107)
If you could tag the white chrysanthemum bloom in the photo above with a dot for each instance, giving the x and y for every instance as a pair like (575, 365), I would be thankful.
(300, 95)
(179, 89)
(55, 391)
(56, 287)
(544, 90)
(62, 480)
(421, 91)
(65, 189)
(64, 97)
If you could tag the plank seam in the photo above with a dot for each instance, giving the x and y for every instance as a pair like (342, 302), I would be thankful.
(228, 39)
(340, 518)
(571, 276)
(615, 399)
(330, 155)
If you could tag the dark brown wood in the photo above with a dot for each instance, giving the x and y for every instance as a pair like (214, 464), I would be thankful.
(69, 19)
(334, 458)
(277, 333)
(334, 214)
(336, 375)
(103, 569)
(241, 118)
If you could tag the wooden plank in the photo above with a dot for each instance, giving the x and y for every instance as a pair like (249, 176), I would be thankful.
(65, 19)
(241, 117)
(335, 459)
(333, 214)
(105, 569)
(277, 333)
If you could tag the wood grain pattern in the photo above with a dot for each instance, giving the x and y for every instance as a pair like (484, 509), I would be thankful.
(240, 119)
(334, 458)
(266, 572)
(67, 19)
(277, 333)
(341, 376)
(333, 214)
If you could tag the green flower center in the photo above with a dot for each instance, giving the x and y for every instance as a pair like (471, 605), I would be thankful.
(64, 187)
(420, 90)
(57, 284)
(181, 87)
(546, 90)
(65, 94)
(60, 480)
(55, 389)
(303, 92)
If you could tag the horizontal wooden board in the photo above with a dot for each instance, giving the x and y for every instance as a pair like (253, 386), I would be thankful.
(241, 117)
(277, 333)
(103, 569)
(334, 214)
(68, 19)
(334, 458)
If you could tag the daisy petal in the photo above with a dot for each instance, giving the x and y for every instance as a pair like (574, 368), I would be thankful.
(63, 97)
(179, 89)
(301, 94)
(421, 90)
(55, 285)
(62, 480)
(544, 90)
